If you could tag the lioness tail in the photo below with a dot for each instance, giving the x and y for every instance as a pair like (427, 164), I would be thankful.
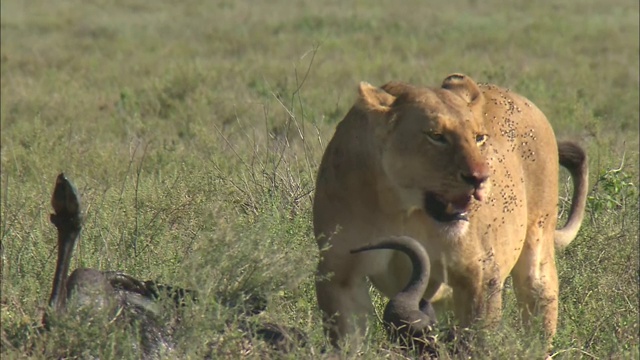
(574, 159)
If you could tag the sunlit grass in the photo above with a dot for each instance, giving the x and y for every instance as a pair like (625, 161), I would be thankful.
(194, 130)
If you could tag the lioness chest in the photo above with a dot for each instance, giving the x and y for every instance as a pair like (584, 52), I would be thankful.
(493, 237)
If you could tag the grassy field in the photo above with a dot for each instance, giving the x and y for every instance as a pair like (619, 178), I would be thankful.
(194, 129)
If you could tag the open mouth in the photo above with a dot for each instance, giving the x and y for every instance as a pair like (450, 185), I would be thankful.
(444, 210)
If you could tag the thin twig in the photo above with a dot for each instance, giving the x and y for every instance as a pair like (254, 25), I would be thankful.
(573, 349)
(135, 204)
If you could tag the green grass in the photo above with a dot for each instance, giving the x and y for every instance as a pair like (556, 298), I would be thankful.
(194, 129)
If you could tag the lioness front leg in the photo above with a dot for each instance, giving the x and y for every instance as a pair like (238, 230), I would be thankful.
(345, 305)
(477, 297)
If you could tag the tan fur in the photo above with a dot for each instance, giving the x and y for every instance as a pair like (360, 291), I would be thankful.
(401, 144)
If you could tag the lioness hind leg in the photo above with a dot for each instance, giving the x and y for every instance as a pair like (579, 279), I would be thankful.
(345, 307)
(535, 281)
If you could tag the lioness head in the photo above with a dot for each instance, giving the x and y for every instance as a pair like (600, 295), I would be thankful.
(432, 144)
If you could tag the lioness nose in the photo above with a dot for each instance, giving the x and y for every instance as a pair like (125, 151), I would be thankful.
(475, 178)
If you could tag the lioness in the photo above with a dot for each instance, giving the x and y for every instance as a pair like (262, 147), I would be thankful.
(470, 171)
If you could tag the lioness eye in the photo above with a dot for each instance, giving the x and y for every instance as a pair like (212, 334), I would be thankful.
(435, 137)
(480, 139)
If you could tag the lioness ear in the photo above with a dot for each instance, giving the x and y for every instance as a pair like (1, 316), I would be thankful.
(397, 88)
(374, 98)
(464, 87)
